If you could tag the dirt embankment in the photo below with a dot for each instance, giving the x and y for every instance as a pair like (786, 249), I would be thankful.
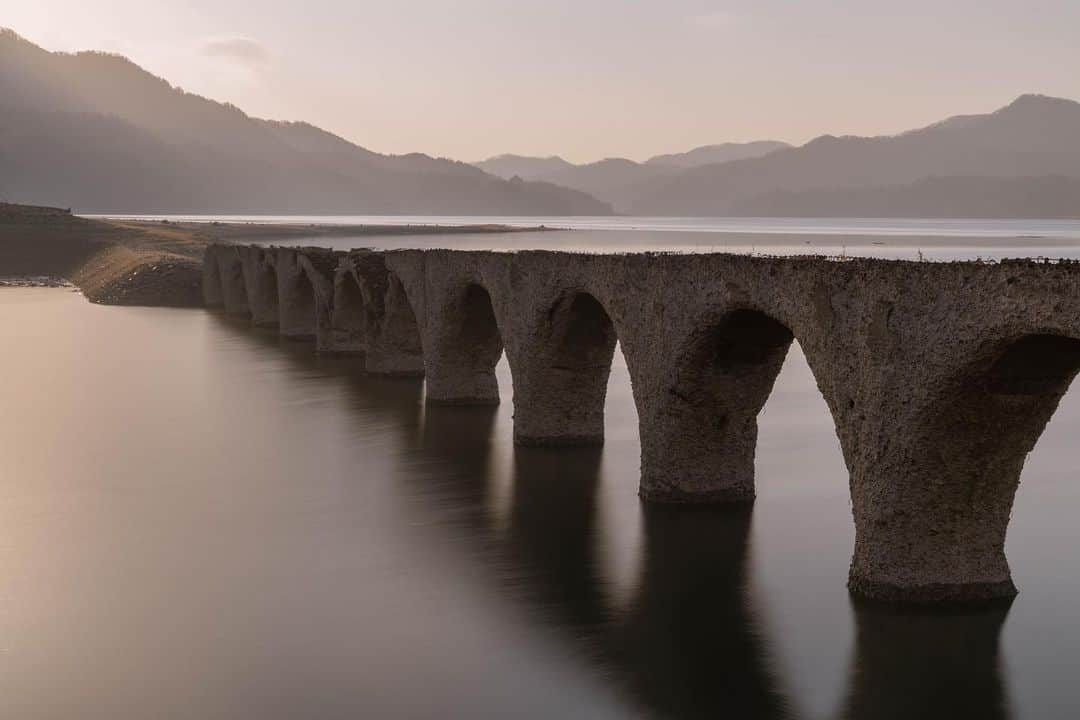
(141, 262)
(112, 263)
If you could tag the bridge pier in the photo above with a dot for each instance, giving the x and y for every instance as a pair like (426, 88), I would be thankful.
(320, 266)
(233, 291)
(211, 282)
(394, 346)
(463, 347)
(560, 383)
(699, 440)
(260, 279)
(349, 315)
(305, 293)
(296, 297)
(932, 502)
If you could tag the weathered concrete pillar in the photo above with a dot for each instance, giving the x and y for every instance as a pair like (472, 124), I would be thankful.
(394, 346)
(320, 265)
(305, 290)
(350, 312)
(211, 283)
(463, 347)
(233, 288)
(699, 438)
(932, 491)
(260, 279)
(561, 375)
(296, 296)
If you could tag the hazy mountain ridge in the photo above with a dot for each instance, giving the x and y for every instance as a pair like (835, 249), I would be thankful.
(619, 180)
(525, 167)
(96, 132)
(1018, 161)
(724, 152)
(1034, 136)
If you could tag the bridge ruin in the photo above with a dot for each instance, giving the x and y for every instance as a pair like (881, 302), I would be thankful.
(939, 377)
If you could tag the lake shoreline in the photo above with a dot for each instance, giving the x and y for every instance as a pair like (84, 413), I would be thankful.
(151, 263)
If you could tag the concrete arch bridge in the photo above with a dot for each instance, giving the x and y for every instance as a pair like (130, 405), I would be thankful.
(940, 377)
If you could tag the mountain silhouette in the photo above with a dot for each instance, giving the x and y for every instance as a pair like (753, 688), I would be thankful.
(711, 154)
(96, 132)
(618, 180)
(1029, 145)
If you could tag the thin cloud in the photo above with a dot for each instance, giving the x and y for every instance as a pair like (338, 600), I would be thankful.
(236, 49)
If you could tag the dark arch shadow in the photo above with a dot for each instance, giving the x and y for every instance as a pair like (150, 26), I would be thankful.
(394, 345)
(351, 316)
(398, 398)
(461, 369)
(552, 536)
(234, 285)
(562, 400)
(704, 449)
(264, 294)
(689, 647)
(297, 309)
(213, 288)
(926, 664)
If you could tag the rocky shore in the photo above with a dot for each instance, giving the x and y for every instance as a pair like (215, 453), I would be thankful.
(110, 263)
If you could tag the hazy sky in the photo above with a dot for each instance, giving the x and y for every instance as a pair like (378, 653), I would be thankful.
(584, 79)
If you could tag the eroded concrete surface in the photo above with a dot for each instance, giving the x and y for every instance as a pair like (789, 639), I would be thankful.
(939, 376)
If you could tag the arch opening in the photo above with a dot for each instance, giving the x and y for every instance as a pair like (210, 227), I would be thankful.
(561, 399)
(297, 309)
(213, 290)
(998, 407)
(351, 315)
(988, 424)
(584, 338)
(461, 368)
(480, 328)
(264, 295)
(701, 442)
(394, 345)
(234, 288)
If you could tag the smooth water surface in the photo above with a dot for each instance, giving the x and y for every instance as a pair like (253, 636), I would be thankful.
(885, 227)
(198, 520)
(905, 239)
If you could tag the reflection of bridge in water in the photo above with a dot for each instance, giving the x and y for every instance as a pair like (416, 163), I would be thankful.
(690, 642)
(939, 377)
(686, 638)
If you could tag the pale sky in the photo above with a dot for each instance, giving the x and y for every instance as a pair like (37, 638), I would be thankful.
(584, 79)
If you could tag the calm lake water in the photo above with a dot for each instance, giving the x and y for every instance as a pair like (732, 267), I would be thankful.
(909, 239)
(198, 520)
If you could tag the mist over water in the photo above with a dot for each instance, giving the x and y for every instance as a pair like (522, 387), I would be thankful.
(200, 520)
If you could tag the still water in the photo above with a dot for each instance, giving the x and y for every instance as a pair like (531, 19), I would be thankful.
(904, 238)
(198, 520)
(881, 227)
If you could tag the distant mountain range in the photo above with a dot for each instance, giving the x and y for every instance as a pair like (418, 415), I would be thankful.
(1020, 161)
(98, 133)
(618, 180)
(1017, 153)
